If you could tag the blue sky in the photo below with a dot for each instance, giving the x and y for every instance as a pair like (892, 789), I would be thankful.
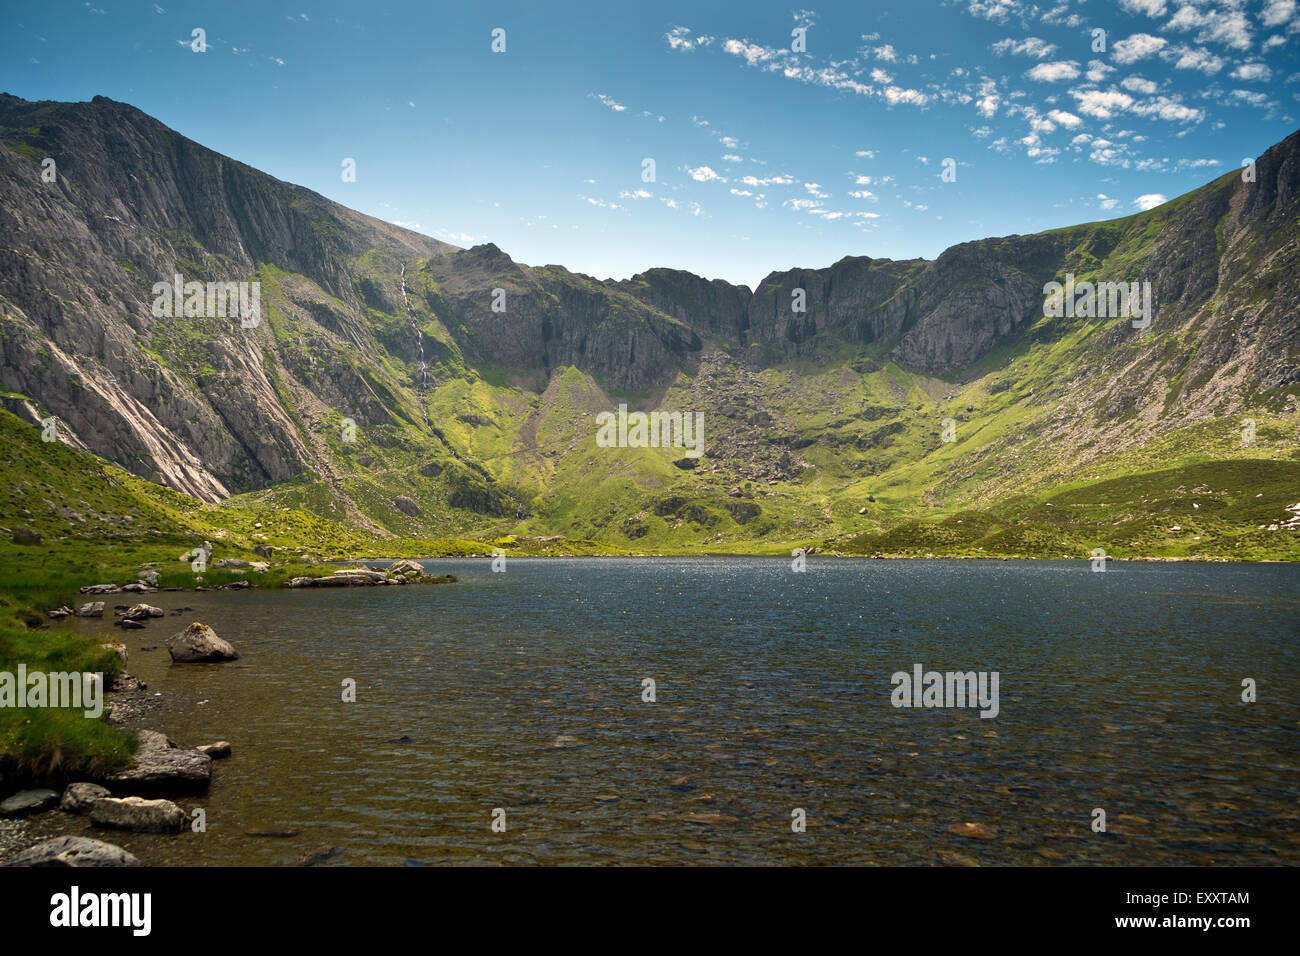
(766, 158)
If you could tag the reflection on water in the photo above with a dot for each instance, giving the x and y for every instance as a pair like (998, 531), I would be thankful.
(523, 691)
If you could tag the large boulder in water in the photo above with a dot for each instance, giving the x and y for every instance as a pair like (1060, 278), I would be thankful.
(199, 644)
(74, 851)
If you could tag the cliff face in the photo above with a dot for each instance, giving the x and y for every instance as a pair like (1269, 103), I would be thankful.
(367, 320)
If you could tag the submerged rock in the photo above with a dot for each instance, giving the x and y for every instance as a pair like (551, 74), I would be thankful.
(199, 644)
(74, 851)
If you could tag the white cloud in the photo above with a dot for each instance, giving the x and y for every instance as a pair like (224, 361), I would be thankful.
(863, 194)
(1152, 8)
(1196, 58)
(1149, 201)
(732, 158)
(1107, 202)
(1229, 28)
(987, 104)
(1277, 12)
(1134, 48)
(1167, 108)
(865, 154)
(1252, 71)
(1051, 72)
(703, 174)
(608, 101)
(1029, 46)
(1062, 118)
(1101, 104)
(1137, 84)
(679, 38)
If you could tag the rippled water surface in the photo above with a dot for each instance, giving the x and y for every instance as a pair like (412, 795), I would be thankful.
(1119, 691)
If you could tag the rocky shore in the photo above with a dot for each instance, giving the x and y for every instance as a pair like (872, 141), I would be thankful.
(142, 797)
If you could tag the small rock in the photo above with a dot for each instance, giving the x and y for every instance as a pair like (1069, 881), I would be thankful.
(138, 814)
(74, 851)
(216, 751)
(91, 609)
(28, 801)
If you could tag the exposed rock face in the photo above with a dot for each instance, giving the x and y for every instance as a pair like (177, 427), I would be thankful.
(199, 644)
(137, 814)
(370, 316)
(74, 851)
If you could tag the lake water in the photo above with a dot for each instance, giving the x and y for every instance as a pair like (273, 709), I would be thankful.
(1119, 691)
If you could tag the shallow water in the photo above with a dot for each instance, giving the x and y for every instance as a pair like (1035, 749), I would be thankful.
(1118, 691)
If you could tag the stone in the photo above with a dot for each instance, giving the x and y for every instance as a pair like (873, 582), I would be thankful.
(138, 815)
(25, 536)
(141, 612)
(74, 851)
(161, 768)
(217, 751)
(199, 644)
(80, 797)
(28, 801)
(91, 609)
(406, 506)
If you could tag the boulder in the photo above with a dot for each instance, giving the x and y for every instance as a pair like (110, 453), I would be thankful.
(138, 814)
(150, 578)
(26, 536)
(405, 566)
(141, 612)
(79, 797)
(216, 751)
(73, 851)
(406, 506)
(199, 644)
(59, 612)
(160, 768)
(28, 801)
(91, 609)
(100, 589)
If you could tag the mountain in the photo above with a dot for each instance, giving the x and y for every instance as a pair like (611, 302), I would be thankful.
(475, 382)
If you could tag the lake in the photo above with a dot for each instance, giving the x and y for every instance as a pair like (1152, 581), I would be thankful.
(523, 690)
